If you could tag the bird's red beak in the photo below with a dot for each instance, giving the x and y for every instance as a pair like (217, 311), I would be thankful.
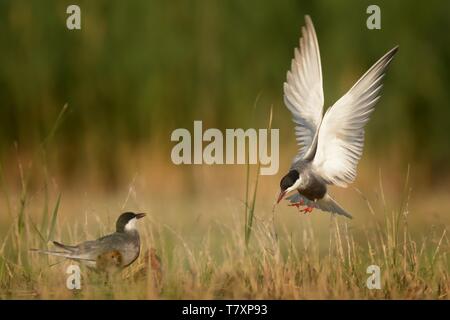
(281, 196)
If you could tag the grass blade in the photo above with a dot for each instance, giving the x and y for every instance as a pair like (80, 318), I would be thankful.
(5, 190)
(54, 215)
(44, 219)
(250, 211)
(55, 127)
(35, 228)
(23, 196)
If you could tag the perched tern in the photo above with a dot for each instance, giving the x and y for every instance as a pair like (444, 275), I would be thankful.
(114, 251)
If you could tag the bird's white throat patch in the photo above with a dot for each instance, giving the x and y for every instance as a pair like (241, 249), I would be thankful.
(131, 225)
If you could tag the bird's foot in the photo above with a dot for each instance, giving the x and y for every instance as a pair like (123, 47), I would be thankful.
(297, 204)
(307, 210)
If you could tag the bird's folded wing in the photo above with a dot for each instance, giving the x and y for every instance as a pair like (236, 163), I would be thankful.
(341, 136)
(64, 254)
(303, 91)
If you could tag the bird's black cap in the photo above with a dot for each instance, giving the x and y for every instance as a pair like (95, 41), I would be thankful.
(289, 179)
(125, 218)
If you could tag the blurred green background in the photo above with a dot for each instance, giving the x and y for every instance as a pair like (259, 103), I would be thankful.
(139, 69)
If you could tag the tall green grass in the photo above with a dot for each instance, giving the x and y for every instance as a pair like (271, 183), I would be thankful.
(250, 203)
(226, 262)
(226, 265)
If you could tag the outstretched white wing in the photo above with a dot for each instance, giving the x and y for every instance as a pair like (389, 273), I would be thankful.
(303, 91)
(341, 136)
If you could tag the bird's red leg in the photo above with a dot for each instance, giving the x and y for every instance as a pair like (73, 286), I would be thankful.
(307, 210)
(297, 204)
